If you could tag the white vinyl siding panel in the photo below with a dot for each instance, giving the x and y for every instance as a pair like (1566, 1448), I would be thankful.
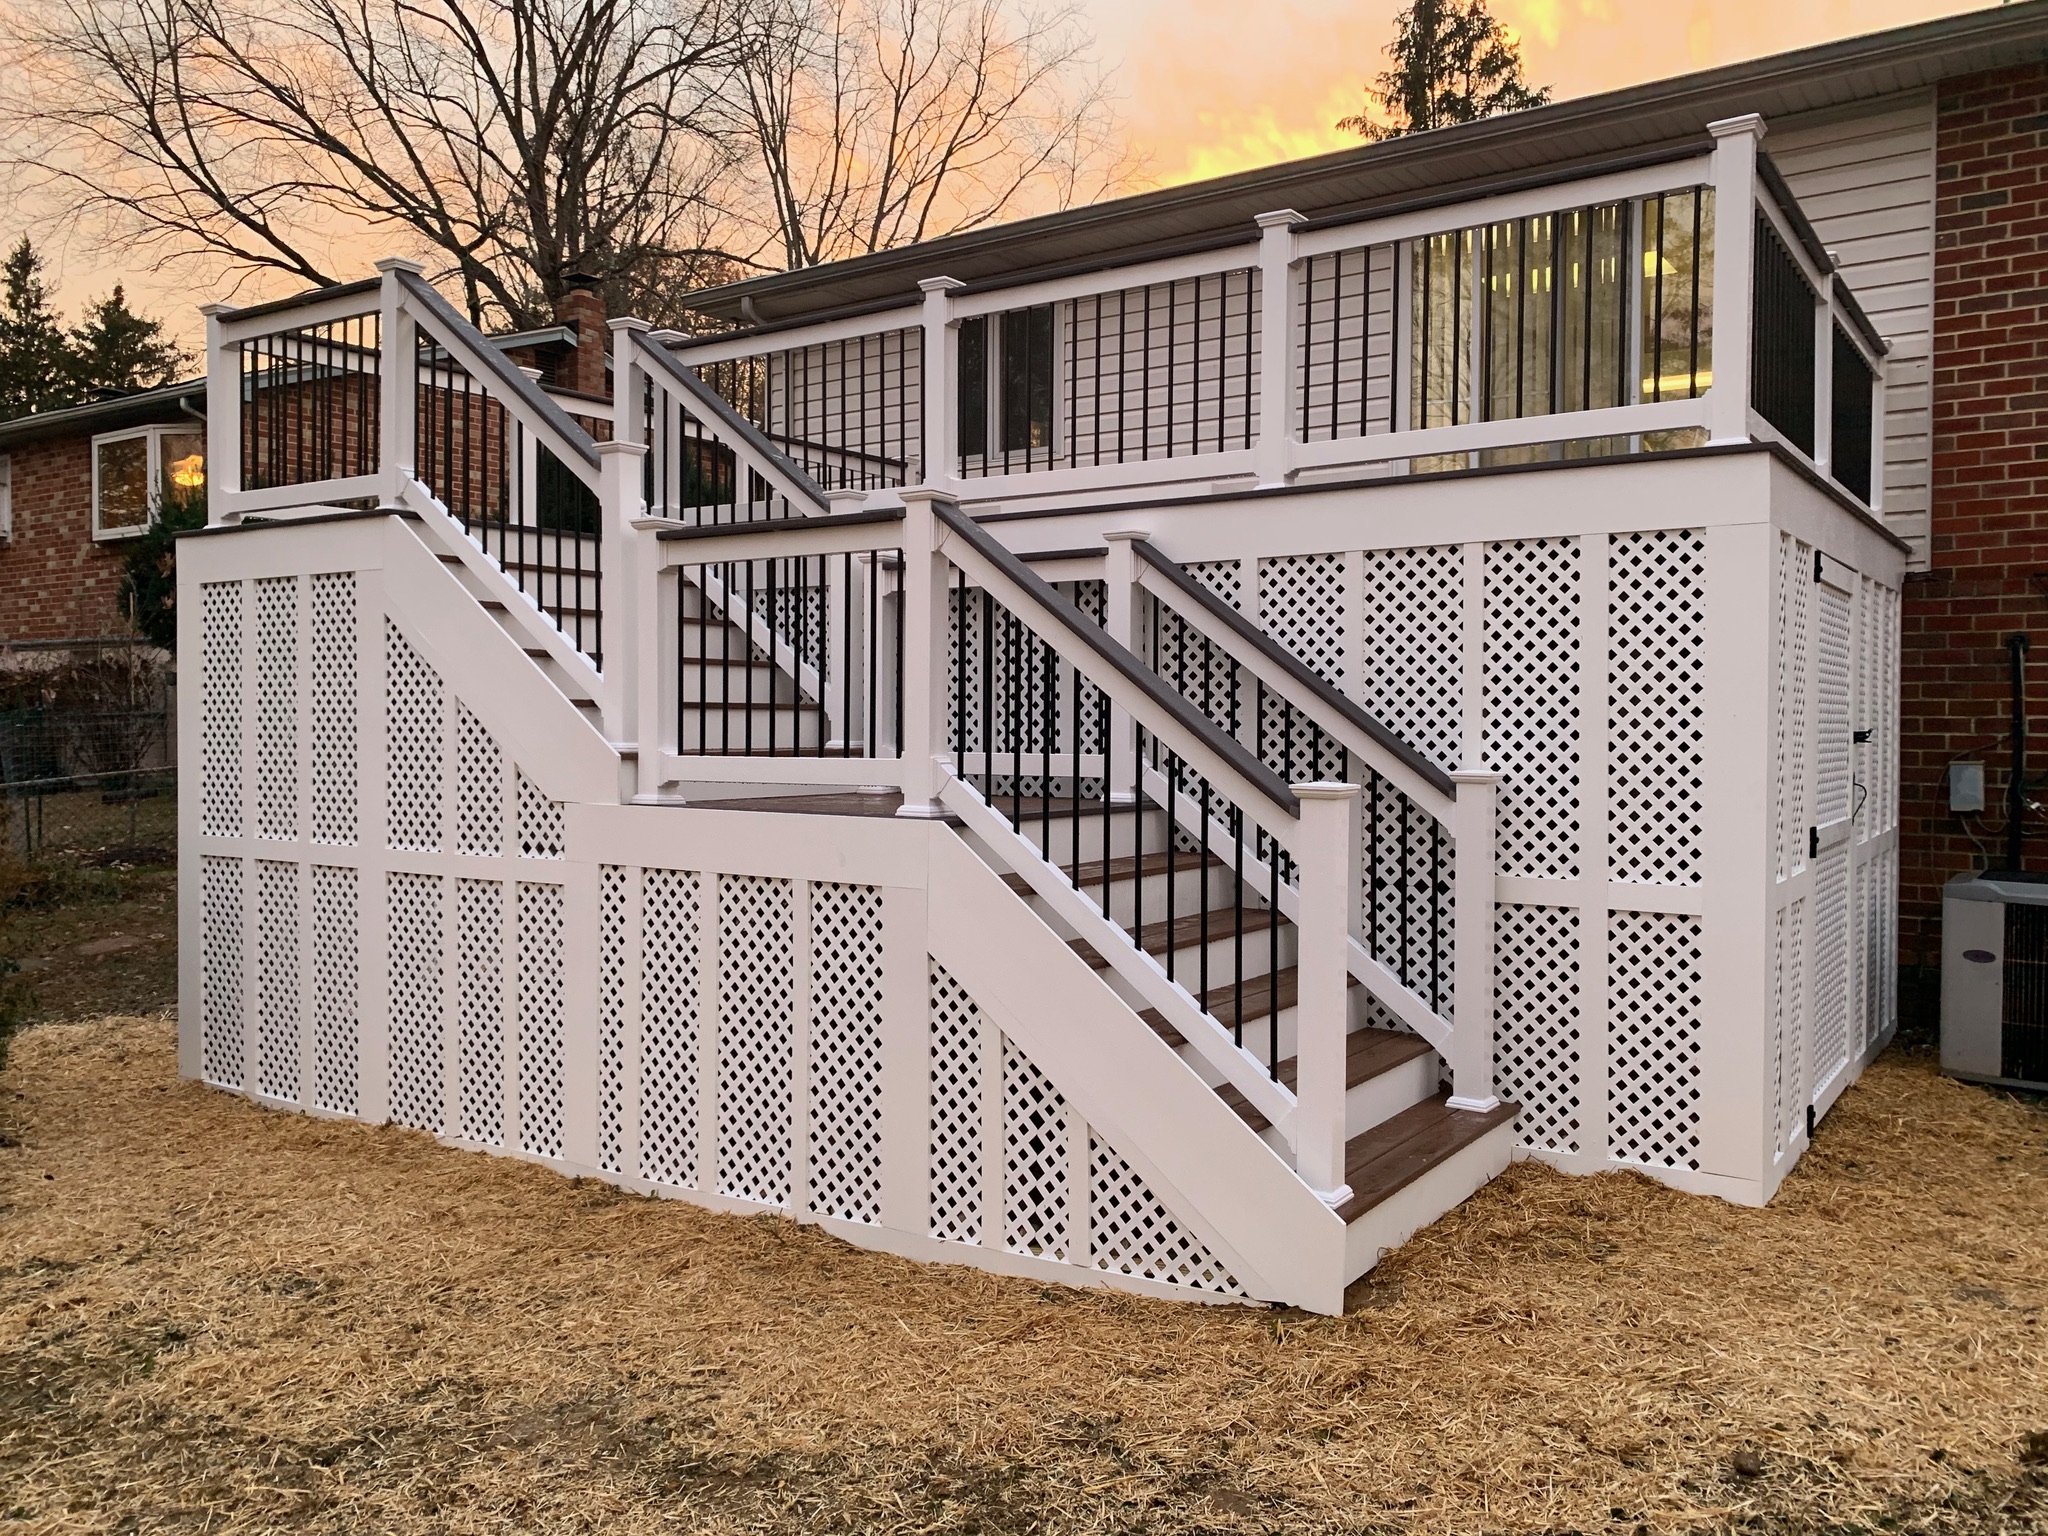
(1866, 180)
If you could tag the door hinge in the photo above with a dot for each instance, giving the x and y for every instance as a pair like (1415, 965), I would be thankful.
(1862, 737)
(1813, 842)
(1817, 558)
(1811, 1119)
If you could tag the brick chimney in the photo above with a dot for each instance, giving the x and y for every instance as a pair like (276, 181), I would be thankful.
(582, 308)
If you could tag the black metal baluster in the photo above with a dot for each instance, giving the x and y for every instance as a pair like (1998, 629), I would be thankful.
(1171, 764)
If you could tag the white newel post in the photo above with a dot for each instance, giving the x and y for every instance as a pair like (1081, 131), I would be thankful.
(396, 380)
(1120, 619)
(638, 561)
(224, 415)
(1326, 858)
(941, 368)
(1472, 824)
(1273, 450)
(1734, 173)
(620, 563)
(924, 771)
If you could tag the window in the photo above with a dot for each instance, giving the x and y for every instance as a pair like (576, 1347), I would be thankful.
(136, 474)
(6, 499)
(1006, 389)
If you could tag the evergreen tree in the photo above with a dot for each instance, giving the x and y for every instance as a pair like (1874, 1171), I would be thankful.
(1452, 63)
(114, 348)
(35, 374)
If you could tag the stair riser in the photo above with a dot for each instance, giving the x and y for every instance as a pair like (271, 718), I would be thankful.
(1187, 886)
(716, 645)
(551, 591)
(1224, 954)
(1384, 1096)
(725, 731)
(1057, 842)
(721, 685)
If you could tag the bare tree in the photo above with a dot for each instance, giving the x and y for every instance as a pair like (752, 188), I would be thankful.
(508, 141)
(880, 122)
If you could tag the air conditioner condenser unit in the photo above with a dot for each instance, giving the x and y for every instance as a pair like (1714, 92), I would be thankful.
(1994, 979)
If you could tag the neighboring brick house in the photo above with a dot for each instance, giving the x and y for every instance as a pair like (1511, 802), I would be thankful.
(75, 485)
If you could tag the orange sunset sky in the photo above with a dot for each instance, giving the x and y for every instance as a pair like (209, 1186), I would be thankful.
(1211, 86)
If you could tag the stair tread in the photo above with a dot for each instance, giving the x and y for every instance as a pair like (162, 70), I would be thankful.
(1398, 1151)
(1367, 1054)
(1120, 868)
(1187, 929)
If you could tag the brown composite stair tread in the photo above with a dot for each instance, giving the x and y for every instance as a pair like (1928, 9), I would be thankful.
(1186, 930)
(1400, 1150)
(1367, 1053)
(1122, 868)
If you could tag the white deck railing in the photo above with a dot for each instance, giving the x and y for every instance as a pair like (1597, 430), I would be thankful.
(1312, 349)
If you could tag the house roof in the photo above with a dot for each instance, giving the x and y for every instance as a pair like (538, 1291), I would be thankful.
(142, 408)
(1354, 181)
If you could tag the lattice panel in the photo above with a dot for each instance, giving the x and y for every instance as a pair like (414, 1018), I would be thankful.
(220, 709)
(479, 788)
(1796, 776)
(1131, 1233)
(1224, 578)
(670, 1008)
(277, 707)
(418, 1092)
(1793, 1097)
(335, 940)
(1037, 1160)
(756, 1045)
(1654, 706)
(1782, 586)
(220, 971)
(1866, 959)
(1653, 1069)
(539, 910)
(1536, 1040)
(332, 707)
(846, 1051)
(480, 1011)
(956, 1067)
(1779, 1009)
(1532, 703)
(540, 823)
(415, 726)
(1302, 605)
(612, 897)
(1413, 677)
(277, 979)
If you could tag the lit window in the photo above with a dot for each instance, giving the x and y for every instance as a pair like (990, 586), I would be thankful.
(135, 475)
(6, 499)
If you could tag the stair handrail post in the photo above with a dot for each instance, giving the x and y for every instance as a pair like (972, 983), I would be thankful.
(1734, 173)
(397, 380)
(1273, 448)
(926, 766)
(940, 371)
(1120, 620)
(633, 566)
(1472, 828)
(625, 625)
(1327, 864)
(224, 416)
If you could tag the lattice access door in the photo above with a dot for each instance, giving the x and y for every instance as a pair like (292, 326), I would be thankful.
(1828, 839)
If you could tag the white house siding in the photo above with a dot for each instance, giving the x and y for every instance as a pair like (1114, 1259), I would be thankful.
(1866, 179)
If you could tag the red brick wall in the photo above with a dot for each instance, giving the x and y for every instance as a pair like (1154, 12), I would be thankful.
(55, 583)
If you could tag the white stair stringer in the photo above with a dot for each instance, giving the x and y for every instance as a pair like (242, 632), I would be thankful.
(486, 667)
(1211, 1170)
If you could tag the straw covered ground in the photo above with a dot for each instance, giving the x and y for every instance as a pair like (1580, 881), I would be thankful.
(219, 1318)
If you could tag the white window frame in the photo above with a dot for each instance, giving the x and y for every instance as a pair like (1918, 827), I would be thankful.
(153, 472)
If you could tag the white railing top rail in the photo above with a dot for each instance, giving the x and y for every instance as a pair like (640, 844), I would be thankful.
(1331, 711)
(776, 538)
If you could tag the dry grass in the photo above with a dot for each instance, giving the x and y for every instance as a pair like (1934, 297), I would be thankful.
(216, 1317)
